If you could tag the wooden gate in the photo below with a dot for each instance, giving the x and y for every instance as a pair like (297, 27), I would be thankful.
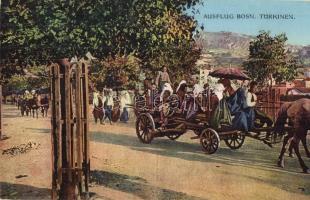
(70, 138)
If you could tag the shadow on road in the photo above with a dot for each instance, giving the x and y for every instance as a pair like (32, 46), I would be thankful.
(40, 130)
(20, 191)
(253, 156)
(187, 151)
(135, 185)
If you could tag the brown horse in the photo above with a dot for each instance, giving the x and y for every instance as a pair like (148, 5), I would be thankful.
(24, 108)
(34, 104)
(298, 114)
(44, 106)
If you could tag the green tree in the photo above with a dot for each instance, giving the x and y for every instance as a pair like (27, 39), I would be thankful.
(17, 82)
(179, 59)
(36, 32)
(33, 78)
(119, 72)
(268, 59)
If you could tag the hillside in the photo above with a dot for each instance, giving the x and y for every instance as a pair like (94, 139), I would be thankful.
(227, 48)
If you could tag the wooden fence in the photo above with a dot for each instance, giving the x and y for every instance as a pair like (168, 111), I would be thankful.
(70, 138)
(269, 102)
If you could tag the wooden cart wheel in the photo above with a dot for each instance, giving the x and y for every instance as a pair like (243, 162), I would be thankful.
(209, 140)
(235, 141)
(174, 136)
(144, 127)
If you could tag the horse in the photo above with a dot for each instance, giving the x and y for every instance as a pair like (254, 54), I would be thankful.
(24, 108)
(98, 111)
(44, 106)
(304, 143)
(34, 104)
(18, 101)
(298, 114)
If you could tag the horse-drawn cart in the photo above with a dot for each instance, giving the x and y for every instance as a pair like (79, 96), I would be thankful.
(148, 128)
(158, 118)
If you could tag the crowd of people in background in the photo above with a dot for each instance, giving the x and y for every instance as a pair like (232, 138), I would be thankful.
(110, 106)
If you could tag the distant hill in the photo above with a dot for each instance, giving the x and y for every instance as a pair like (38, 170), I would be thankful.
(227, 48)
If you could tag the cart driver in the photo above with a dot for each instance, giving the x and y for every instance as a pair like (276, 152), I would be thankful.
(251, 101)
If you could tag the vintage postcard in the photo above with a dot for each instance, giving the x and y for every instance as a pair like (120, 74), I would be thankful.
(155, 99)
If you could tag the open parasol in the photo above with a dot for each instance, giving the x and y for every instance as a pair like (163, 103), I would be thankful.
(230, 73)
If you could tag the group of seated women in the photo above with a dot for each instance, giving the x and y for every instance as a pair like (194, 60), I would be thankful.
(240, 105)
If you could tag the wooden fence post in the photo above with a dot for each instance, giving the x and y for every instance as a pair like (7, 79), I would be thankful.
(86, 128)
(0, 112)
(70, 138)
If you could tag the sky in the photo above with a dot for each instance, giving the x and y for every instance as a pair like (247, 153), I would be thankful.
(296, 29)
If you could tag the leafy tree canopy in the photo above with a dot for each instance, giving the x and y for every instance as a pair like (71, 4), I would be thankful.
(268, 58)
(36, 32)
(116, 72)
(32, 78)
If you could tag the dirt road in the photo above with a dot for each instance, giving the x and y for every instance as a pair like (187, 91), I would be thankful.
(124, 168)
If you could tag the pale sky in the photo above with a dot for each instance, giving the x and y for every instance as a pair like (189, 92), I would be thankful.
(297, 29)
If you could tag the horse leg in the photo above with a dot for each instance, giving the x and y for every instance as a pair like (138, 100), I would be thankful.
(290, 150)
(304, 143)
(295, 142)
(281, 156)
